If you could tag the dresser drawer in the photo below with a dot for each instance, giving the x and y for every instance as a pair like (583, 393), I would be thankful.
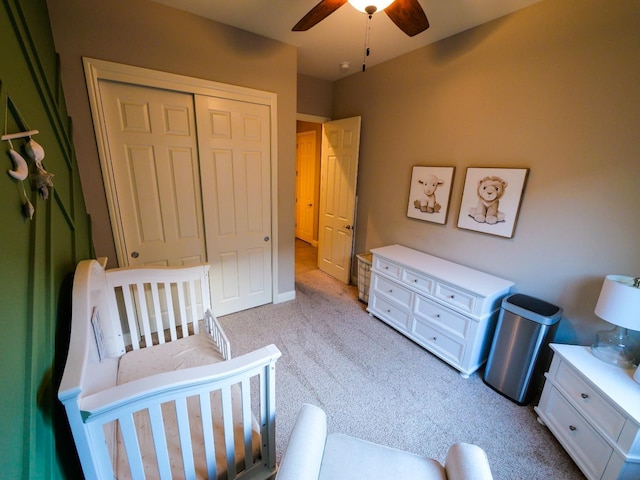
(444, 318)
(587, 447)
(598, 409)
(455, 297)
(388, 288)
(421, 283)
(388, 268)
(389, 312)
(438, 342)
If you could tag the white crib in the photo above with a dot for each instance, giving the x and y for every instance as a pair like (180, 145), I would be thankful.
(149, 386)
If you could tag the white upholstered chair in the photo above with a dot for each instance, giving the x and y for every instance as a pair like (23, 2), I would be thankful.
(312, 454)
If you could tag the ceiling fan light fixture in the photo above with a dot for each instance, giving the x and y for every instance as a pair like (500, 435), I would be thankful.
(365, 6)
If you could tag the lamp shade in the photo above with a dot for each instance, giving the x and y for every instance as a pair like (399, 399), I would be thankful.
(619, 302)
(363, 4)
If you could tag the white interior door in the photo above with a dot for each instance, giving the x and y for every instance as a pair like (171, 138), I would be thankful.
(154, 162)
(234, 143)
(339, 174)
(305, 185)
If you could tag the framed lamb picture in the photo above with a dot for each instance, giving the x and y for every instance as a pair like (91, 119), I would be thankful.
(429, 193)
(491, 200)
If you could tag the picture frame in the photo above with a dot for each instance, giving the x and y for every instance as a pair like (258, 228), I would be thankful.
(430, 193)
(491, 200)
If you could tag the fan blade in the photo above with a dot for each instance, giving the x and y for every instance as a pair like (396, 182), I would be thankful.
(317, 14)
(408, 16)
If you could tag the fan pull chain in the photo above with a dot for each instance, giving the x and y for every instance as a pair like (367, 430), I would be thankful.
(367, 36)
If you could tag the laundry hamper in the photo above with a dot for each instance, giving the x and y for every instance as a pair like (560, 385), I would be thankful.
(364, 275)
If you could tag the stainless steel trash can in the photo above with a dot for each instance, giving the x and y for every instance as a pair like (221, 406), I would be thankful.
(525, 327)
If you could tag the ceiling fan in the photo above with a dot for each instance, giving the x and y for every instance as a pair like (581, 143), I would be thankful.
(408, 15)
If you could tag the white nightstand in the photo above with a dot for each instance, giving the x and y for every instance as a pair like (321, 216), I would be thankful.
(593, 409)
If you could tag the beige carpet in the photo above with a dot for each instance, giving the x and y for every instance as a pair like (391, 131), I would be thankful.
(376, 384)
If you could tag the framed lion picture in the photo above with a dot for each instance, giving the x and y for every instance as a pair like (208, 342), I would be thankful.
(429, 193)
(491, 200)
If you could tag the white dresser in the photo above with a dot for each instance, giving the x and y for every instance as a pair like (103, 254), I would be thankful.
(593, 409)
(447, 308)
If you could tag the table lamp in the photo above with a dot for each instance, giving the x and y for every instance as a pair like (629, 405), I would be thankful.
(619, 304)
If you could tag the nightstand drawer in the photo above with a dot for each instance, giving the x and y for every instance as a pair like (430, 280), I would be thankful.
(444, 318)
(389, 312)
(587, 447)
(457, 298)
(390, 289)
(421, 283)
(585, 397)
(388, 268)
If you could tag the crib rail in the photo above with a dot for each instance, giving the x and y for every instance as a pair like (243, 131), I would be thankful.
(214, 329)
(158, 396)
(159, 304)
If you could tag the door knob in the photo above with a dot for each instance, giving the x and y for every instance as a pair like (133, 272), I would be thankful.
(135, 254)
(266, 239)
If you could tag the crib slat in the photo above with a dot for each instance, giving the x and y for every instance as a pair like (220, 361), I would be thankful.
(144, 314)
(184, 433)
(170, 315)
(98, 451)
(246, 423)
(160, 441)
(183, 311)
(130, 438)
(206, 290)
(127, 295)
(227, 419)
(267, 409)
(194, 308)
(207, 430)
(157, 311)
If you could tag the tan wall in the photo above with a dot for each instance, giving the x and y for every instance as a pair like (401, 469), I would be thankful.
(146, 34)
(554, 88)
(314, 96)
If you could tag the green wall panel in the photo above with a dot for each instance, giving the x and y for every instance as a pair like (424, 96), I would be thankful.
(36, 256)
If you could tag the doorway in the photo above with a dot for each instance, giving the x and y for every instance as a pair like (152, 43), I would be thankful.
(306, 257)
(326, 191)
(308, 149)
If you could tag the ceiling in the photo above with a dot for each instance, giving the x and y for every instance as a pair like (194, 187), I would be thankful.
(341, 36)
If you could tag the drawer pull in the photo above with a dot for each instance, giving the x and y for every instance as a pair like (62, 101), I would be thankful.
(584, 395)
(386, 268)
(452, 296)
(415, 280)
(388, 310)
(434, 338)
(391, 290)
(572, 428)
(437, 315)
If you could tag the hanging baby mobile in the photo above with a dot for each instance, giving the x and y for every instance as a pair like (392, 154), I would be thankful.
(40, 179)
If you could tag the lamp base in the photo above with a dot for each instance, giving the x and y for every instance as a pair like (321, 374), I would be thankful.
(616, 347)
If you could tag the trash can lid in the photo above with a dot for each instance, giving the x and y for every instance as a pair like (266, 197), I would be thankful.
(534, 305)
